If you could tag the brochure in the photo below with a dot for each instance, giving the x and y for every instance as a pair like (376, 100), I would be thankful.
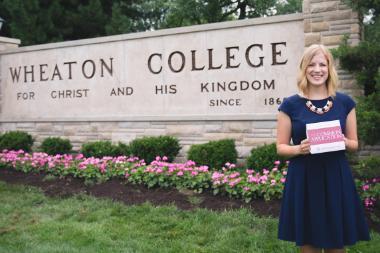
(325, 136)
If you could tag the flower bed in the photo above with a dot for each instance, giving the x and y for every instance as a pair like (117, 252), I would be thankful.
(238, 183)
(246, 184)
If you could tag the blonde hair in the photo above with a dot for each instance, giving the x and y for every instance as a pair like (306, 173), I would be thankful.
(309, 53)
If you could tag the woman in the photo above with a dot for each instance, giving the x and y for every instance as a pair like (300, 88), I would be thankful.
(320, 207)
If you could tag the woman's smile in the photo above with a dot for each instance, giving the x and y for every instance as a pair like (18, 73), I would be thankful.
(317, 71)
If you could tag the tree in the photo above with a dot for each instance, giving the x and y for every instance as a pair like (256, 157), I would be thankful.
(191, 12)
(26, 26)
(43, 21)
(289, 6)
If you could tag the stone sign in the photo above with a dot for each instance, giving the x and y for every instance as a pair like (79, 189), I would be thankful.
(240, 72)
(197, 83)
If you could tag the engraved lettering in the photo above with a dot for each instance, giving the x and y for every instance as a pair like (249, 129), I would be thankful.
(230, 57)
(276, 53)
(26, 72)
(15, 74)
(70, 63)
(182, 61)
(150, 64)
(247, 56)
(92, 69)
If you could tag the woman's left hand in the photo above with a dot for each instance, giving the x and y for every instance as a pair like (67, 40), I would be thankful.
(351, 145)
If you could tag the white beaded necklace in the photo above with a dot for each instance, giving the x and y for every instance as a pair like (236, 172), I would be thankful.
(319, 110)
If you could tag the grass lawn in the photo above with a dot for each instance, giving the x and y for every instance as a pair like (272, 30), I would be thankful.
(33, 223)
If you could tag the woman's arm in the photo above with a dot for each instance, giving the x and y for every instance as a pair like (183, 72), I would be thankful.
(351, 137)
(284, 128)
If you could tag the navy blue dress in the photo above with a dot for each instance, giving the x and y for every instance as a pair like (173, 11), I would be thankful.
(320, 205)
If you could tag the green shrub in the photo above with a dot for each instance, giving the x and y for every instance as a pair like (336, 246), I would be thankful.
(149, 147)
(16, 140)
(264, 157)
(121, 149)
(100, 149)
(369, 117)
(214, 154)
(368, 167)
(56, 145)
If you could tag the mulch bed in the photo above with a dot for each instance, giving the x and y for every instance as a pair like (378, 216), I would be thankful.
(130, 194)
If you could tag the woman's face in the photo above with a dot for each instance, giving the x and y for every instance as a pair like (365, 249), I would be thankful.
(317, 71)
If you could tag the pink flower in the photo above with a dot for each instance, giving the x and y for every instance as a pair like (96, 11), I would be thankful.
(190, 163)
(102, 168)
(216, 175)
(252, 179)
(203, 168)
(234, 182)
(249, 172)
(180, 173)
(369, 202)
(283, 180)
(234, 175)
(277, 162)
(217, 182)
(365, 187)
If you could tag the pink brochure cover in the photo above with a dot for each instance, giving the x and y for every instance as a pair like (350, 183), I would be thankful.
(325, 136)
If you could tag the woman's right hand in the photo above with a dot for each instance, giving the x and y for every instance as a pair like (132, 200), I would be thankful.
(304, 147)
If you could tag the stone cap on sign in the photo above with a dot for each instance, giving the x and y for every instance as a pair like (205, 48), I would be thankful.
(8, 43)
(9, 40)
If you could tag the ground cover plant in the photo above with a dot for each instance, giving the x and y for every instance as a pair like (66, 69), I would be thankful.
(32, 222)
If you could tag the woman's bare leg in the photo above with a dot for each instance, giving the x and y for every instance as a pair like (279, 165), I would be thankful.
(310, 249)
(335, 251)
